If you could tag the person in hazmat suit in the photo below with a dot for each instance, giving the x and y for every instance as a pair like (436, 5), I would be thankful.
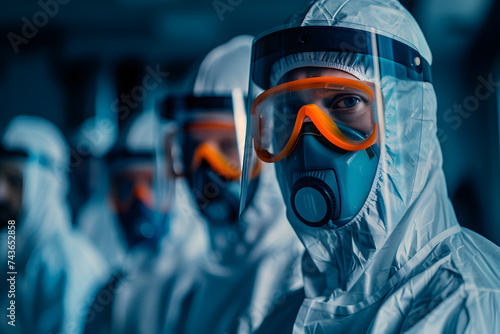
(343, 106)
(251, 263)
(124, 218)
(134, 224)
(53, 271)
(246, 266)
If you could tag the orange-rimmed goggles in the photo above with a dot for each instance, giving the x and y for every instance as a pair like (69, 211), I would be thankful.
(218, 148)
(209, 153)
(279, 113)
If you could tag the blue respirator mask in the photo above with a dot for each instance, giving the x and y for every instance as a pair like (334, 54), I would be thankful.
(143, 226)
(210, 155)
(134, 201)
(216, 196)
(321, 135)
(323, 184)
(214, 181)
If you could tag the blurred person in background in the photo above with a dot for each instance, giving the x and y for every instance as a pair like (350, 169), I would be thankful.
(57, 269)
(136, 224)
(128, 215)
(344, 107)
(251, 263)
(239, 271)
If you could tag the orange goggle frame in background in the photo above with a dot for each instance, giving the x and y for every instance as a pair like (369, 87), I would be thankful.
(209, 152)
(141, 191)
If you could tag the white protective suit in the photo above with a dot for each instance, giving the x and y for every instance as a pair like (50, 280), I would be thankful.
(244, 270)
(58, 271)
(132, 269)
(415, 270)
(250, 266)
(96, 218)
(143, 282)
(155, 299)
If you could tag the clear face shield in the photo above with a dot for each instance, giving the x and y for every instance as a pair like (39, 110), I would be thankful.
(141, 194)
(32, 183)
(210, 154)
(327, 107)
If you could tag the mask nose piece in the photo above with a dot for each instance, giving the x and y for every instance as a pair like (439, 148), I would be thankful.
(313, 201)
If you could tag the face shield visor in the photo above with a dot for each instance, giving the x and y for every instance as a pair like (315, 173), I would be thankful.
(141, 196)
(209, 152)
(327, 108)
(33, 188)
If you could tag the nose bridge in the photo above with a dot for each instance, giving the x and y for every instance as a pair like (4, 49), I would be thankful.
(216, 160)
(301, 134)
(304, 117)
(224, 155)
(310, 150)
(314, 153)
(202, 153)
(310, 111)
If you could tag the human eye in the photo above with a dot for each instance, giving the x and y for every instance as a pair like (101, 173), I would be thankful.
(346, 102)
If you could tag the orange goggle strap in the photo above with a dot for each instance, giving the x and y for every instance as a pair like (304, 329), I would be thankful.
(323, 122)
(216, 161)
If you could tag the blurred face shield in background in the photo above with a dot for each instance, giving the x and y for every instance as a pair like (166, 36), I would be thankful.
(210, 153)
(141, 190)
